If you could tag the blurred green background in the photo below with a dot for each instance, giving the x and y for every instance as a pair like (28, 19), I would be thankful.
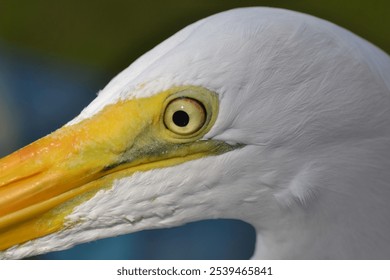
(55, 56)
(111, 34)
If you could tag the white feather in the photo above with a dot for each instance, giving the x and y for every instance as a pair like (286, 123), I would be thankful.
(310, 101)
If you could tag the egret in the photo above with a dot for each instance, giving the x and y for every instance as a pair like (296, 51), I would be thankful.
(266, 115)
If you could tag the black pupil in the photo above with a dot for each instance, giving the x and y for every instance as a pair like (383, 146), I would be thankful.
(181, 118)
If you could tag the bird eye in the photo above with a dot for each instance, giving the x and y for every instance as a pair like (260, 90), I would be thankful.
(184, 116)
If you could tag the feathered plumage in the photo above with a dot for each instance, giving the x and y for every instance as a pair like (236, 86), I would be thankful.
(304, 106)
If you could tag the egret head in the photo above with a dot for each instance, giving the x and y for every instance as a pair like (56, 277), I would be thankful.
(247, 114)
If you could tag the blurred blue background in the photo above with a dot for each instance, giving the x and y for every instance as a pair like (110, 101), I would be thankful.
(55, 56)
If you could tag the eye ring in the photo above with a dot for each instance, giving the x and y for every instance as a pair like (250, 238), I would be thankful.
(184, 116)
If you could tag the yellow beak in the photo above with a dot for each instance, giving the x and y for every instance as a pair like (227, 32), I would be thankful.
(42, 183)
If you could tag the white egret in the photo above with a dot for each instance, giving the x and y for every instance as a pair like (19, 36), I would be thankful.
(270, 116)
